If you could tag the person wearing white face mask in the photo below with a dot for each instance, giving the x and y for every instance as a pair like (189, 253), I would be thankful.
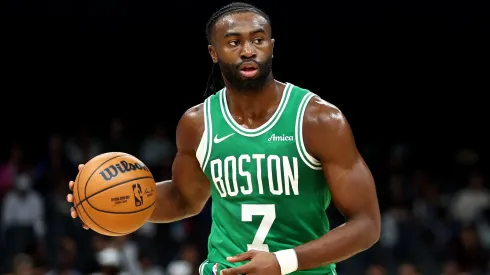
(22, 215)
(23, 206)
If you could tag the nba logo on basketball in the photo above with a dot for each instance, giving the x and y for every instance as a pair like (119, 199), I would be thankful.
(215, 269)
(138, 195)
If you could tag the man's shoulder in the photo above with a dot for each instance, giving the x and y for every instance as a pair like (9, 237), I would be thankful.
(317, 108)
(195, 112)
(323, 117)
(191, 127)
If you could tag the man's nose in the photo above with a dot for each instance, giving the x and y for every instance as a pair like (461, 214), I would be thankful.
(248, 51)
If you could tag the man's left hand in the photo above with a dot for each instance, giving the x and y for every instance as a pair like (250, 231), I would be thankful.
(260, 263)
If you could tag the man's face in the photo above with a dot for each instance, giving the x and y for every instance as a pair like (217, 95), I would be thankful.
(242, 46)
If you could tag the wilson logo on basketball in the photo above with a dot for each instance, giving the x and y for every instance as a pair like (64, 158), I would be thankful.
(122, 167)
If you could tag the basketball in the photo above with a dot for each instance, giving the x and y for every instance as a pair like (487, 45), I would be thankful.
(114, 194)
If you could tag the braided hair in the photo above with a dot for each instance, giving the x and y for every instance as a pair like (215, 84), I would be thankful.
(215, 81)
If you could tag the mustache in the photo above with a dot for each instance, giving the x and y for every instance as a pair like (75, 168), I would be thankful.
(248, 61)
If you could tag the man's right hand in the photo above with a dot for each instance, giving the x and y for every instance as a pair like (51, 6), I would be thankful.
(69, 198)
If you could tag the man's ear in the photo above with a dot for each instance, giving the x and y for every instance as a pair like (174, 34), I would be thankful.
(212, 53)
(273, 43)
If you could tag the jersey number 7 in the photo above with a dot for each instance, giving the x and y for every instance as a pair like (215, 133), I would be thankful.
(269, 213)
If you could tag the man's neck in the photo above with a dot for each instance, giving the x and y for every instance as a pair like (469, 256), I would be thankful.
(251, 109)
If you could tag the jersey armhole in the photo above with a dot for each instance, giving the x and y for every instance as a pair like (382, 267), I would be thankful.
(204, 149)
(308, 159)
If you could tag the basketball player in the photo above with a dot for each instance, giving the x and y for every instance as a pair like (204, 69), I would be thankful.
(272, 156)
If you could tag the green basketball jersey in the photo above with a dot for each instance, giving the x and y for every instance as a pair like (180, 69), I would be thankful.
(267, 192)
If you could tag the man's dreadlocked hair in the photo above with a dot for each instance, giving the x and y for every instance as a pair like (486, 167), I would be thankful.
(236, 7)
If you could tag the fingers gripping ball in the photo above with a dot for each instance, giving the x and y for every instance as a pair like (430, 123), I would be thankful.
(114, 194)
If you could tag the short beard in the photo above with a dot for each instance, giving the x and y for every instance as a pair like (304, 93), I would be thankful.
(231, 73)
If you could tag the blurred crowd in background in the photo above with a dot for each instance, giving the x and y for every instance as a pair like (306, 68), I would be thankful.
(435, 221)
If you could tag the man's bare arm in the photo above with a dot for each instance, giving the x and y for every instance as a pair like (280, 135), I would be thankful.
(329, 138)
(188, 191)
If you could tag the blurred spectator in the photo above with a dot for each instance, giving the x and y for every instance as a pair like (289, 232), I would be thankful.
(23, 220)
(483, 228)
(9, 169)
(146, 265)
(468, 252)
(52, 166)
(451, 268)
(376, 270)
(470, 202)
(157, 149)
(185, 263)
(118, 140)
(82, 147)
(67, 254)
(110, 262)
(128, 250)
(408, 269)
(23, 265)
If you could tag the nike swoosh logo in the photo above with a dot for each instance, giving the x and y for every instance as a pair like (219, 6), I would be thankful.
(218, 140)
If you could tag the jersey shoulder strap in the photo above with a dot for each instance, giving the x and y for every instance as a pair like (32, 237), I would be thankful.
(303, 97)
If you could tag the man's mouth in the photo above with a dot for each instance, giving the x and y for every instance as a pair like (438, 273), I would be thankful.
(248, 69)
(248, 72)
